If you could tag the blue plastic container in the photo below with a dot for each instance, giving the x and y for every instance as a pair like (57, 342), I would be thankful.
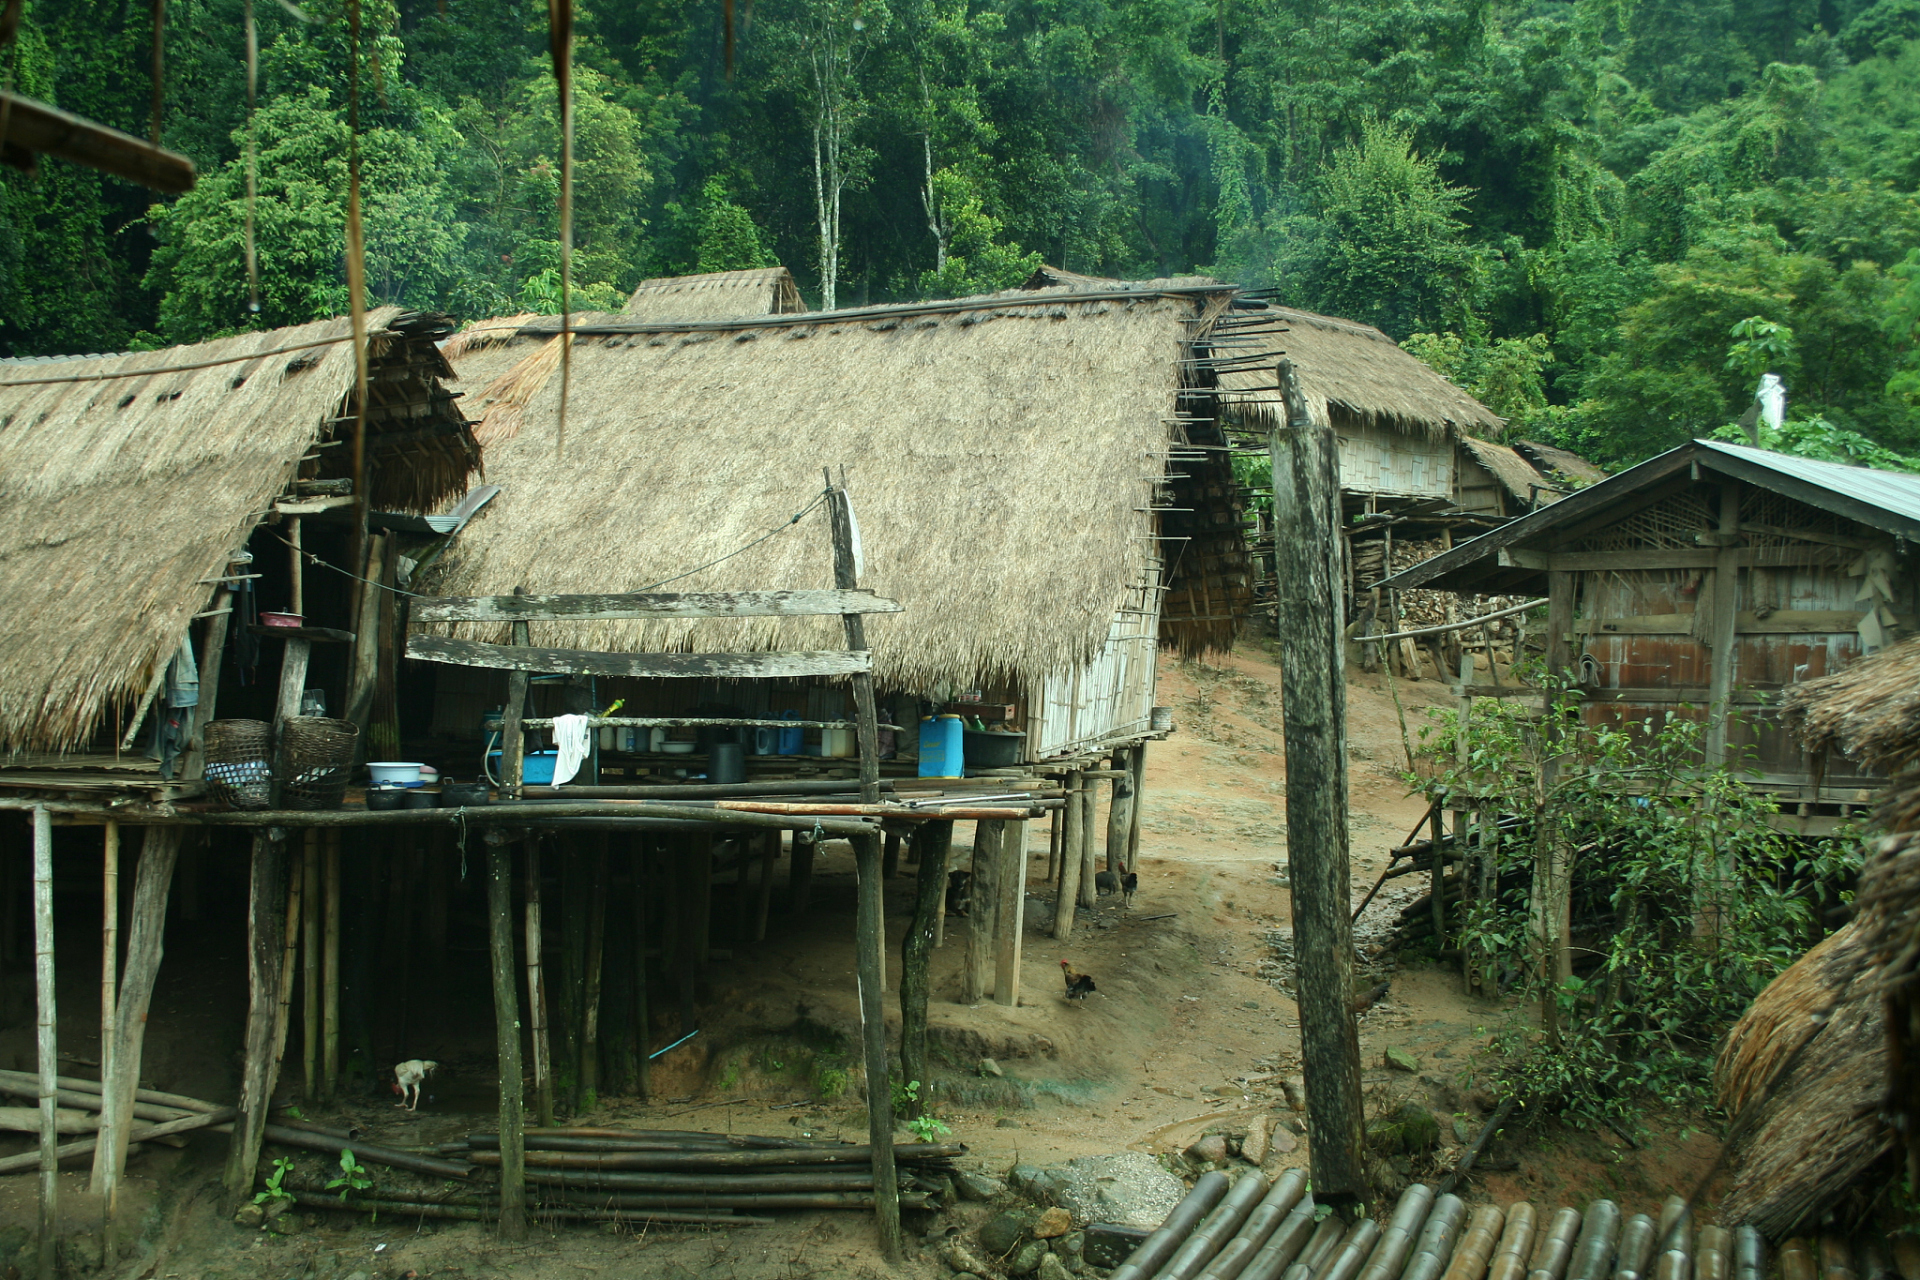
(791, 740)
(536, 768)
(943, 747)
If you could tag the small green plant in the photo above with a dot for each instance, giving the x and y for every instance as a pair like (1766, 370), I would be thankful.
(929, 1127)
(295, 1113)
(905, 1095)
(275, 1192)
(353, 1176)
(830, 1082)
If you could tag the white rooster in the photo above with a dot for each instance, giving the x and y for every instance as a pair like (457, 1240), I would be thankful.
(407, 1079)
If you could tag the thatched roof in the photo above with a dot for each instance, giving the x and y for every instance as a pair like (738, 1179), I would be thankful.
(121, 497)
(1511, 470)
(1810, 1054)
(1000, 454)
(1345, 369)
(1870, 711)
(1569, 469)
(1889, 920)
(718, 295)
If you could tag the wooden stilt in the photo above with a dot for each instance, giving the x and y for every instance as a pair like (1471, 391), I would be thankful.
(506, 1030)
(800, 874)
(745, 855)
(890, 856)
(930, 842)
(1120, 813)
(1054, 824)
(699, 886)
(769, 846)
(940, 916)
(983, 901)
(537, 992)
(589, 1066)
(330, 974)
(436, 905)
(266, 922)
(1011, 917)
(146, 923)
(1067, 894)
(873, 1039)
(1139, 767)
(1089, 827)
(49, 1050)
(642, 1014)
(289, 956)
(109, 978)
(310, 965)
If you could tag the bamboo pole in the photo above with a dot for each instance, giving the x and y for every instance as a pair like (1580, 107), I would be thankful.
(330, 975)
(506, 1023)
(146, 926)
(589, 1065)
(151, 1133)
(1306, 467)
(809, 1158)
(266, 887)
(930, 845)
(310, 965)
(537, 989)
(49, 1050)
(868, 939)
(104, 1183)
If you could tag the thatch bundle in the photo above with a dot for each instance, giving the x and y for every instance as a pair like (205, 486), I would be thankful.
(1001, 461)
(1870, 711)
(1809, 1056)
(1569, 470)
(717, 295)
(1511, 470)
(122, 497)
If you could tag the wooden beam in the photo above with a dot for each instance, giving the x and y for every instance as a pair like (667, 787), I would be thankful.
(983, 898)
(1139, 766)
(1313, 689)
(656, 666)
(506, 1031)
(35, 127)
(266, 908)
(868, 941)
(105, 1182)
(146, 926)
(1783, 622)
(932, 844)
(1120, 814)
(1725, 647)
(688, 604)
(330, 973)
(1010, 917)
(537, 991)
(1066, 896)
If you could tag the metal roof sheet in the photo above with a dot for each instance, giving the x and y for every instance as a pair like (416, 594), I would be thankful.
(1894, 491)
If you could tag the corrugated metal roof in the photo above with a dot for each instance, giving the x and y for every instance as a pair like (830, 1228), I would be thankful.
(1894, 491)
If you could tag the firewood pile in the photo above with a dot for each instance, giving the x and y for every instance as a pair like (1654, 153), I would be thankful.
(1422, 607)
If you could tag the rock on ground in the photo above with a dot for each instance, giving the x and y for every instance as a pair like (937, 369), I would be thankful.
(1129, 1188)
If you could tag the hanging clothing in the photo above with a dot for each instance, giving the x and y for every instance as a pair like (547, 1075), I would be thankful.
(572, 740)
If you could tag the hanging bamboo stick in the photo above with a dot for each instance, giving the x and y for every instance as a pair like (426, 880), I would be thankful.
(48, 1022)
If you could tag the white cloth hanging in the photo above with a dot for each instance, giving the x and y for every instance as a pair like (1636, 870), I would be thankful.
(571, 740)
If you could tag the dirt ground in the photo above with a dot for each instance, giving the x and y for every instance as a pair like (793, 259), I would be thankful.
(1183, 1034)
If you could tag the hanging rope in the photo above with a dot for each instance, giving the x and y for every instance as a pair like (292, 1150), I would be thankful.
(560, 39)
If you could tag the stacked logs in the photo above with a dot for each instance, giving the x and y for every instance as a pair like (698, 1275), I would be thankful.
(1257, 1231)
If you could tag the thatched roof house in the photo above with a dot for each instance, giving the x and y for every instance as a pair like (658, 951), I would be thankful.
(127, 482)
(1566, 469)
(719, 295)
(1492, 479)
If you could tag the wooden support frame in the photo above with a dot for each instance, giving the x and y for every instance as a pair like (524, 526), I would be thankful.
(46, 1036)
(976, 972)
(330, 973)
(932, 842)
(37, 127)
(265, 923)
(1120, 813)
(1066, 896)
(657, 666)
(1010, 916)
(506, 1023)
(537, 990)
(109, 985)
(689, 604)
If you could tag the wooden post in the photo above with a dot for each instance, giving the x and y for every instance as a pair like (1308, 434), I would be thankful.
(1139, 767)
(1437, 881)
(1054, 822)
(699, 923)
(1552, 899)
(1067, 895)
(310, 965)
(800, 874)
(513, 742)
(866, 717)
(289, 955)
(1011, 916)
(589, 1065)
(296, 571)
(1120, 813)
(873, 1038)
(976, 972)
(49, 1049)
(931, 843)
(1306, 541)
(146, 925)
(213, 650)
(537, 992)
(266, 920)
(109, 982)
(642, 1014)
(890, 856)
(940, 916)
(330, 974)
(1715, 882)
(506, 1024)
(769, 845)
(1089, 820)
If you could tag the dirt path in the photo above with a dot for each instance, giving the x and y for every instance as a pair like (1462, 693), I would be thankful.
(1184, 1033)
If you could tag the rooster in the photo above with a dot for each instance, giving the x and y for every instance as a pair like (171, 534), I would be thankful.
(1079, 985)
(407, 1079)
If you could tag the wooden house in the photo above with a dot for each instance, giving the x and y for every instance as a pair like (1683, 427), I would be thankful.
(717, 295)
(1716, 578)
(1494, 481)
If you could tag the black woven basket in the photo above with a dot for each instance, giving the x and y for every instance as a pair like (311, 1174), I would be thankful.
(239, 763)
(319, 760)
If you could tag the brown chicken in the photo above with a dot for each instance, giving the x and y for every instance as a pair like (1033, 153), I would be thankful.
(1079, 985)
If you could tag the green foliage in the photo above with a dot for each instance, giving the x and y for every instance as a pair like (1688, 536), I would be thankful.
(729, 240)
(274, 1191)
(353, 1176)
(976, 261)
(1508, 375)
(1700, 901)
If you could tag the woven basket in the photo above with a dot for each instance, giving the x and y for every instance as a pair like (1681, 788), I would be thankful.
(319, 760)
(239, 763)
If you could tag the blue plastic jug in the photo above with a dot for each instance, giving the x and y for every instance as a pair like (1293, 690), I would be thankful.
(791, 740)
(943, 747)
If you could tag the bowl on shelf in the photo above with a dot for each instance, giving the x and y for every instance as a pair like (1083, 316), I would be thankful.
(673, 748)
(394, 773)
(283, 620)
